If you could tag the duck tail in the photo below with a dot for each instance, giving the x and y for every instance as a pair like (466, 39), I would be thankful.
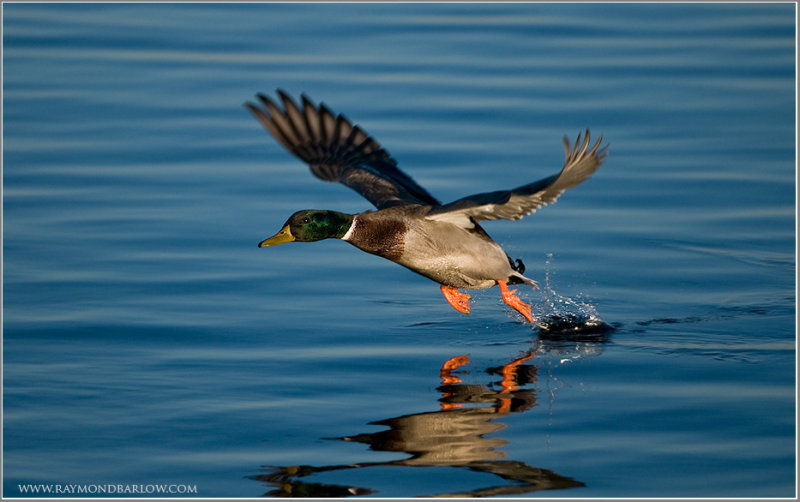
(517, 277)
(516, 265)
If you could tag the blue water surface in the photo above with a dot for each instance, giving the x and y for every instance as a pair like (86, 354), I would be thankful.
(147, 341)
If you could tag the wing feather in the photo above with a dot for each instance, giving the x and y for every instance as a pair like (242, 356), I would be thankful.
(338, 151)
(580, 162)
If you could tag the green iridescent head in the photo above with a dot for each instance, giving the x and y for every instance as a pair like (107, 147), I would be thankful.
(311, 225)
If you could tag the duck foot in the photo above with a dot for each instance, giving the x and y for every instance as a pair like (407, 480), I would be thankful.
(514, 302)
(459, 301)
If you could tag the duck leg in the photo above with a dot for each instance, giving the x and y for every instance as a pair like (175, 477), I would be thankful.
(459, 301)
(513, 301)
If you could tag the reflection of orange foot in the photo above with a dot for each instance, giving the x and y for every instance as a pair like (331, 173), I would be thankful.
(448, 379)
(511, 300)
(459, 301)
(509, 382)
(454, 362)
(450, 365)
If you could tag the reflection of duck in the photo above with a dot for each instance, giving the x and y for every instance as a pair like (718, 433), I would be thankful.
(452, 437)
(443, 242)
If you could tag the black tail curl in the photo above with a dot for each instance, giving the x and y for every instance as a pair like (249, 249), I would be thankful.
(517, 266)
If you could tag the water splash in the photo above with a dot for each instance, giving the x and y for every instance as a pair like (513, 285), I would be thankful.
(560, 317)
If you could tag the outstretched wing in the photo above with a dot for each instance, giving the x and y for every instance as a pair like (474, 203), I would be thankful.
(581, 162)
(338, 151)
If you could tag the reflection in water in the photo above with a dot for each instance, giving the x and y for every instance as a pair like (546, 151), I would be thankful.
(454, 436)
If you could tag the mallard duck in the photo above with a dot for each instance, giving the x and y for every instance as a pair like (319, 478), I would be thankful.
(410, 227)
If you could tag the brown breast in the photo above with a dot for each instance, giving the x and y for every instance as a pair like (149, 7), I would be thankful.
(379, 236)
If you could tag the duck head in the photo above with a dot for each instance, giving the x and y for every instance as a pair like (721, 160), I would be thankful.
(311, 225)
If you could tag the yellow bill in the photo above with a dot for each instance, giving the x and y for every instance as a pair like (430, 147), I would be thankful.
(285, 235)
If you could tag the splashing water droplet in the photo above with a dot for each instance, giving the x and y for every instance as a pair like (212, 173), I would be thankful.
(563, 317)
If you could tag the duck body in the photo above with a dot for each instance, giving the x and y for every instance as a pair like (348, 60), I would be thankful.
(443, 242)
(441, 251)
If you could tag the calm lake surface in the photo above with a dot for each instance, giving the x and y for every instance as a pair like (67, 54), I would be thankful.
(148, 342)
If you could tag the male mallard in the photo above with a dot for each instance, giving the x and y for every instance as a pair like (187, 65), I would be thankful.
(443, 242)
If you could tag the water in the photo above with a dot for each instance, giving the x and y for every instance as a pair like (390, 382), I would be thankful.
(148, 342)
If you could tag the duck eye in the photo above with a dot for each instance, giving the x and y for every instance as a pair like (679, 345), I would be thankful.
(306, 220)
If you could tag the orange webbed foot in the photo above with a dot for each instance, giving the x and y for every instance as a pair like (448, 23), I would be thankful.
(514, 302)
(459, 301)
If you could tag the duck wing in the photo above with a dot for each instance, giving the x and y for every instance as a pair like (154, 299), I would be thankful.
(581, 161)
(338, 151)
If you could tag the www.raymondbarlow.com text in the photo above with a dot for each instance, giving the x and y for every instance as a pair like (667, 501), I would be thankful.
(108, 489)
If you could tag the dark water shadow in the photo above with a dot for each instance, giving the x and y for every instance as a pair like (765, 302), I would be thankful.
(464, 433)
(571, 327)
(781, 306)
